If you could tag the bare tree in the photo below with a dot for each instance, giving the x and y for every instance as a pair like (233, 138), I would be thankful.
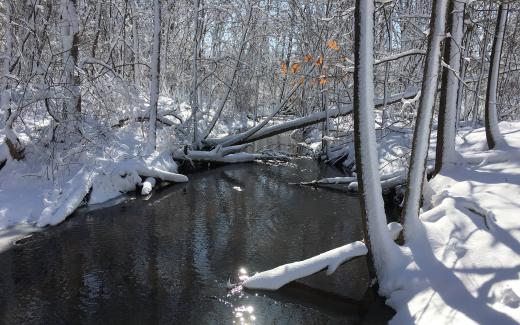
(381, 247)
(493, 136)
(421, 137)
(155, 77)
(449, 89)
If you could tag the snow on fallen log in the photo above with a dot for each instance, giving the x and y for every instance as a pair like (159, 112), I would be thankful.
(281, 275)
(313, 118)
(105, 182)
(67, 200)
(147, 171)
(215, 155)
(387, 181)
(276, 278)
(148, 185)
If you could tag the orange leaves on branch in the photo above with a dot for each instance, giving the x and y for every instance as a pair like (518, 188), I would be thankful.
(332, 44)
(295, 67)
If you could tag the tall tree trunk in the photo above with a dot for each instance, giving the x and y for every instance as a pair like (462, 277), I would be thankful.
(11, 140)
(493, 136)
(476, 103)
(421, 137)
(450, 83)
(194, 100)
(70, 43)
(382, 250)
(155, 77)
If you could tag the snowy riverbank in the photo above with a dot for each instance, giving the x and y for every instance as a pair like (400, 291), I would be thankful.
(465, 261)
(461, 266)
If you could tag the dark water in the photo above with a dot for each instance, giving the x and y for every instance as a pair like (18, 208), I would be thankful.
(167, 259)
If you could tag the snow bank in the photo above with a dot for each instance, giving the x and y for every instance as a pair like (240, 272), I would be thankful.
(30, 195)
(67, 200)
(464, 262)
(330, 260)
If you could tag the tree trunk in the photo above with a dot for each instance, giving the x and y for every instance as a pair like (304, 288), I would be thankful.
(194, 101)
(11, 140)
(382, 249)
(421, 138)
(493, 136)
(70, 42)
(446, 131)
(155, 77)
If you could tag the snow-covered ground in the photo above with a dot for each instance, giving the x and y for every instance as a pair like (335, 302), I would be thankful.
(464, 262)
(51, 182)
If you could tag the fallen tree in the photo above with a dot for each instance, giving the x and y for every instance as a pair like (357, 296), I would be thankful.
(301, 122)
(275, 278)
(229, 155)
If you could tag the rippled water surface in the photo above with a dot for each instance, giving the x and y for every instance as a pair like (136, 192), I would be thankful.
(168, 259)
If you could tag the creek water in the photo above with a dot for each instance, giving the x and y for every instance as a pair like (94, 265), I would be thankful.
(167, 259)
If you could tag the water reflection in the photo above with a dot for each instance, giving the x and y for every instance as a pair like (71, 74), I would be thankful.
(168, 259)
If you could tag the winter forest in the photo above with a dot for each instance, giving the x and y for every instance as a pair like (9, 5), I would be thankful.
(259, 161)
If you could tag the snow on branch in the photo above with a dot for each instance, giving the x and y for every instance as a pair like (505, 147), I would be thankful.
(221, 155)
(281, 275)
(276, 278)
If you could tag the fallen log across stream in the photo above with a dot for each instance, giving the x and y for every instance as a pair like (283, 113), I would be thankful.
(301, 122)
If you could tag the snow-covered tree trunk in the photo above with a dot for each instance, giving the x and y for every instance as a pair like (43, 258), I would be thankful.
(449, 90)
(71, 79)
(135, 44)
(11, 140)
(483, 52)
(194, 100)
(493, 136)
(154, 82)
(382, 249)
(6, 62)
(421, 138)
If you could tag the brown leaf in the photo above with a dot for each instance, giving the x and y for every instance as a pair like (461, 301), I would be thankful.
(295, 67)
(283, 69)
(332, 44)
(320, 60)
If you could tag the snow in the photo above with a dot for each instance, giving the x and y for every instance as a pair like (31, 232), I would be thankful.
(281, 275)
(34, 193)
(148, 185)
(463, 263)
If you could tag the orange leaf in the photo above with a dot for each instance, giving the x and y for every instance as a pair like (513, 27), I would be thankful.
(323, 80)
(320, 60)
(283, 68)
(295, 67)
(307, 58)
(332, 44)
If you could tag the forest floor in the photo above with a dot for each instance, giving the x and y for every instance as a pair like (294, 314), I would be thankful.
(464, 261)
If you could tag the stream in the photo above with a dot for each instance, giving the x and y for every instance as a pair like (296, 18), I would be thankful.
(168, 258)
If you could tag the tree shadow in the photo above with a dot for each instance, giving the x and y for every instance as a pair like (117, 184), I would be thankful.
(456, 296)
